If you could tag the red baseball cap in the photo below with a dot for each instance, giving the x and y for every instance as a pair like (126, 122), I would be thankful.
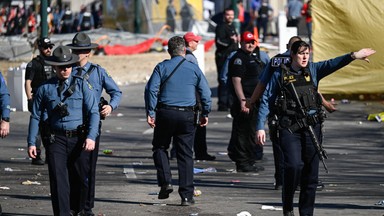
(248, 37)
(190, 36)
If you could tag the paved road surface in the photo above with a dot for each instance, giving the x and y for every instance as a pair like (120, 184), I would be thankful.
(126, 179)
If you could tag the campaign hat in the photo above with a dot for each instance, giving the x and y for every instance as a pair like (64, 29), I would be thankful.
(82, 41)
(62, 55)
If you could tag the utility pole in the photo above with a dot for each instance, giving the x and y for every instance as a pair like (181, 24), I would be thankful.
(43, 15)
(236, 22)
(137, 23)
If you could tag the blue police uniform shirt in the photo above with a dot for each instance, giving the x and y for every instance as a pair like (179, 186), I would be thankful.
(83, 99)
(190, 57)
(180, 89)
(4, 98)
(318, 71)
(100, 79)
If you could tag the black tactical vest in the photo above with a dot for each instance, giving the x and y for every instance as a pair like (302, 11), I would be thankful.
(43, 72)
(305, 89)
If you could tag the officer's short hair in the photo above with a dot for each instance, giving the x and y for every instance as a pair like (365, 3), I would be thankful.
(296, 46)
(176, 46)
(292, 40)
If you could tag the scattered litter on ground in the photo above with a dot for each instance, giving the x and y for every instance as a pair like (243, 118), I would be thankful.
(194, 214)
(4, 188)
(376, 116)
(120, 115)
(222, 153)
(7, 169)
(229, 116)
(107, 151)
(345, 101)
(20, 149)
(243, 213)
(206, 170)
(137, 163)
(153, 193)
(380, 203)
(30, 183)
(273, 208)
(196, 192)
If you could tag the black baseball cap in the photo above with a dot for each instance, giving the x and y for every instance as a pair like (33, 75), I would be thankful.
(45, 42)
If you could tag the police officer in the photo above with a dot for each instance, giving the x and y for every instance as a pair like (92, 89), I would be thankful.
(244, 69)
(5, 111)
(72, 126)
(99, 78)
(274, 64)
(36, 73)
(301, 163)
(200, 143)
(4, 108)
(170, 96)
(226, 41)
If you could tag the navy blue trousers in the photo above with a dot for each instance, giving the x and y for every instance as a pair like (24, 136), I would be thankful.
(179, 126)
(68, 182)
(301, 165)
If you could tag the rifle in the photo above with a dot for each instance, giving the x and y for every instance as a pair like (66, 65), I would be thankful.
(318, 146)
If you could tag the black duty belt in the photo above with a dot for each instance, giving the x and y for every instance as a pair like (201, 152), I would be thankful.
(177, 108)
(66, 133)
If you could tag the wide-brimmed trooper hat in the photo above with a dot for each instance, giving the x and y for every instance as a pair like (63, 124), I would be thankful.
(81, 41)
(62, 55)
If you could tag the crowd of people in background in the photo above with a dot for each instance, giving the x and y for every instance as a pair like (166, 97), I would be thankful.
(18, 19)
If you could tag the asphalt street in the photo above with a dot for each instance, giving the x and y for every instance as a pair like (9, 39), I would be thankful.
(126, 178)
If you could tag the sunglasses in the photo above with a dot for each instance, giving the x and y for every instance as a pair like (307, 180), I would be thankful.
(47, 47)
(62, 67)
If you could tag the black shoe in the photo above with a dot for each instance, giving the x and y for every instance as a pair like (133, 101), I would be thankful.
(261, 160)
(260, 168)
(37, 161)
(249, 169)
(206, 157)
(290, 213)
(187, 202)
(320, 186)
(165, 191)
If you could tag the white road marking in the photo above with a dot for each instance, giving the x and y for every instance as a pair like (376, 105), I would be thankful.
(129, 172)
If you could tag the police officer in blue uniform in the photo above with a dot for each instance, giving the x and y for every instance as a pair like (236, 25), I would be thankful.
(301, 163)
(5, 111)
(4, 108)
(244, 69)
(72, 127)
(99, 78)
(36, 73)
(170, 96)
(274, 64)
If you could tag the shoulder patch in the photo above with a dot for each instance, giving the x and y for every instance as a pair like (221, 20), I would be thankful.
(29, 64)
(238, 61)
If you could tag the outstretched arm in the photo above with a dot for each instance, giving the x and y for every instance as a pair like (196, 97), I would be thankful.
(363, 54)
